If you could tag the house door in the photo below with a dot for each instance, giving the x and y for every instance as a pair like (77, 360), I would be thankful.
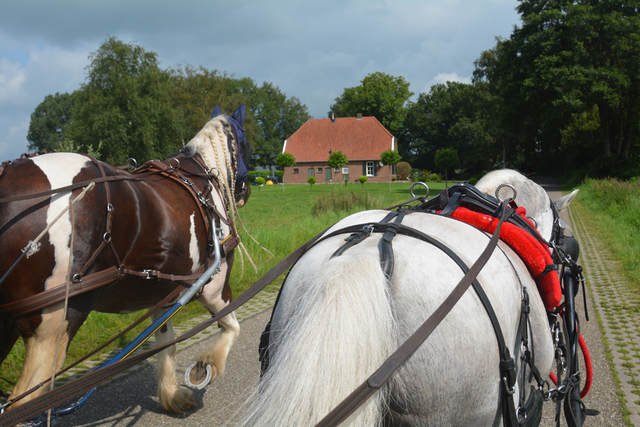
(327, 174)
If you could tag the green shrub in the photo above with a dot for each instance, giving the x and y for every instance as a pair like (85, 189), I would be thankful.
(473, 181)
(260, 180)
(279, 173)
(404, 170)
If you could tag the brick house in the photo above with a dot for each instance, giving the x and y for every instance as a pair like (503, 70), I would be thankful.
(361, 139)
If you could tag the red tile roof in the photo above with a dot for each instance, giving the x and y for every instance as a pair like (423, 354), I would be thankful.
(359, 139)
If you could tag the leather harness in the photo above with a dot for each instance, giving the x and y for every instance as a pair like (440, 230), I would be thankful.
(529, 412)
(180, 174)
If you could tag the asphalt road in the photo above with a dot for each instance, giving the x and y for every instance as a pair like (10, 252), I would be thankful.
(131, 400)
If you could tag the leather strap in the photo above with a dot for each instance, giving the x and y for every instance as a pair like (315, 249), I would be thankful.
(90, 282)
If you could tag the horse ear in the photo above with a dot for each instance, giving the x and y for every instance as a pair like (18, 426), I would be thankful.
(216, 112)
(239, 115)
(565, 201)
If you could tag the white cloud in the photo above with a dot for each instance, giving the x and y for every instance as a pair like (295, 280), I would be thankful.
(450, 77)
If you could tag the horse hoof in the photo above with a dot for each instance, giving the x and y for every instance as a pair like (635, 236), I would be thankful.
(191, 404)
(198, 375)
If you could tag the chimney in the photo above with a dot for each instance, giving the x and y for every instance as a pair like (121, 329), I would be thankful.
(333, 119)
(359, 116)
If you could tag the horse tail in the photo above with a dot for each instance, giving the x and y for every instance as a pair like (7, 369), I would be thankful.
(333, 327)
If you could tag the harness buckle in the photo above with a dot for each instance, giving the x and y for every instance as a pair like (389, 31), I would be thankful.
(202, 199)
(149, 274)
(368, 229)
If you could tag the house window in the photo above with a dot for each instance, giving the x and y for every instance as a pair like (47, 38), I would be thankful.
(295, 170)
(371, 171)
(320, 170)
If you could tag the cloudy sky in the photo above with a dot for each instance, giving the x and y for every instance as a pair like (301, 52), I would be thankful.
(310, 49)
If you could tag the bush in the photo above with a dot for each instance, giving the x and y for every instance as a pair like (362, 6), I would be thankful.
(425, 176)
(260, 180)
(312, 180)
(278, 173)
(473, 181)
(404, 170)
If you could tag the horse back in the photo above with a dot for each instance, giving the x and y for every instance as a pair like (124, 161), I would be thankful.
(134, 224)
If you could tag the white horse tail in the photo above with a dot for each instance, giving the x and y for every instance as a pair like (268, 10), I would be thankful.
(333, 327)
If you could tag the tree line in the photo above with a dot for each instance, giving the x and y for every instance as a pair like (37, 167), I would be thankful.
(130, 107)
(561, 93)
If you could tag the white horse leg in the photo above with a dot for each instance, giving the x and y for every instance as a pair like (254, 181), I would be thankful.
(216, 356)
(173, 398)
(40, 351)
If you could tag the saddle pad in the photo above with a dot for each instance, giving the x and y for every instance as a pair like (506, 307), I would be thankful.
(536, 257)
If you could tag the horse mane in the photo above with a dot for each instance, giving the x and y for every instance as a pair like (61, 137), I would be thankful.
(213, 134)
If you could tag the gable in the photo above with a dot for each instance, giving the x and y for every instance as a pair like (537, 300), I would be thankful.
(358, 139)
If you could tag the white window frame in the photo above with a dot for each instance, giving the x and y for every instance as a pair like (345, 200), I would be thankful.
(370, 168)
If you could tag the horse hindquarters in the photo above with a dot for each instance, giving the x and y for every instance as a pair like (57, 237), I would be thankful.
(332, 328)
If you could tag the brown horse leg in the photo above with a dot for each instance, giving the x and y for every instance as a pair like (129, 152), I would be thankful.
(173, 398)
(40, 351)
(8, 336)
(216, 296)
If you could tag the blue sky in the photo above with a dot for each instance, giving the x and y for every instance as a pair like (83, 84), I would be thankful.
(310, 49)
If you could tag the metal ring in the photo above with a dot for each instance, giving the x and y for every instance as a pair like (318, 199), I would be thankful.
(106, 237)
(421, 183)
(170, 163)
(533, 220)
(77, 278)
(132, 162)
(515, 193)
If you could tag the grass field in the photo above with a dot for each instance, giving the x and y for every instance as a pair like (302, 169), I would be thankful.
(279, 221)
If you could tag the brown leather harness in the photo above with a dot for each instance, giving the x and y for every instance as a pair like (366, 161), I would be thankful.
(171, 169)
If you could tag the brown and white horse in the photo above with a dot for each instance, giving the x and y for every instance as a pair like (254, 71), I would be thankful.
(138, 236)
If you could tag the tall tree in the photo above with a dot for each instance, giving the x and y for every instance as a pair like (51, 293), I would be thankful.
(574, 55)
(49, 121)
(277, 118)
(458, 116)
(125, 104)
(195, 92)
(380, 95)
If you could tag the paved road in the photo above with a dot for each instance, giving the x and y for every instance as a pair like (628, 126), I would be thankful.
(130, 400)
